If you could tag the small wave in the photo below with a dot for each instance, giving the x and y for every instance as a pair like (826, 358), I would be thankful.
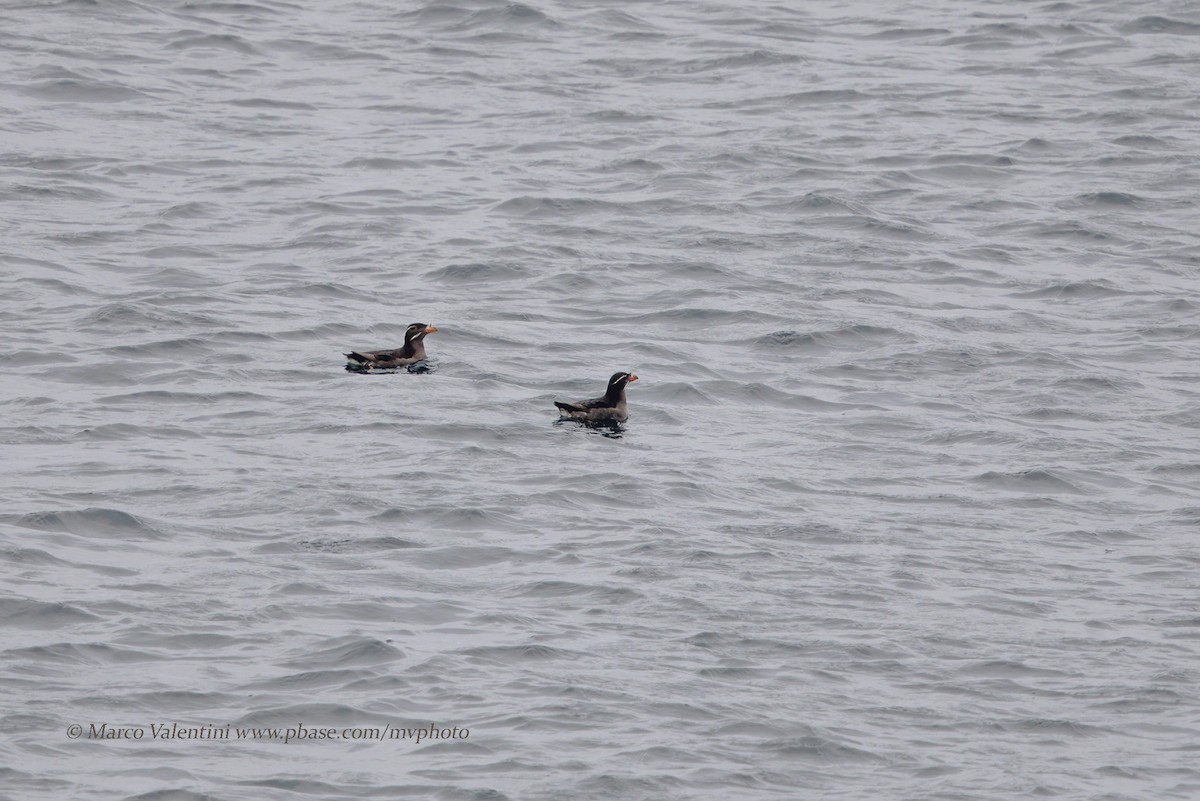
(463, 557)
(815, 96)
(816, 532)
(898, 34)
(610, 18)
(350, 651)
(313, 679)
(476, 272)
(170, 793)
(90, 521)
(1073, 290)
(40, 266)
(758, 394)
(1165, 25)
(1039, 145)
(570, 589)
(852, 337)
(81, 90)
(436, 14)
(556, 207)
(963, 173)
(969, 159)
(133, 316)
(376, 544)
(1106, 199)
(821, 750)
(59, 190)
(271, 102)
(815, 201)
(31, 556)
(452, 517)
(240, 9)
(1034, 481)
(184, 347)
(1090, 536)
(226, 41)
(380, 163)
(621, 117)
(193, 210)
(28, 613)
(1047, 413)
(90, 239)
(990, 438)
(519, 654)
(1091, 384)
(994, 36)
(117, 432)
(1180, 468)
(322, 714)
(632, 165)
(84, 654)
(701, 316)
(1143, 141)
(888, 229)
(1047, 726)
(677, 393)
(755, 59)
(179, 700)
(808, 98)
(571, 283)
(1006, 669)
(326, 52)
(320, 290)
(511, 16)
(28, 358)
(317, 546)
(157, 396)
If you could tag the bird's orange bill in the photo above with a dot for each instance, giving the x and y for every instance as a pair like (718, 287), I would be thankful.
(632, 378)
(429, 329)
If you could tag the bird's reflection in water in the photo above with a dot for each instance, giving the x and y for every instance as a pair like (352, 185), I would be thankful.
(605, 428)
(423, 366)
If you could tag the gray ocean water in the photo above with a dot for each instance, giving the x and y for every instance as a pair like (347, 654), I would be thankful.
(907, 504)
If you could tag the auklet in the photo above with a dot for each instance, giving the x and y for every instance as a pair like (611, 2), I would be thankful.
(412, 352)
(609, 408)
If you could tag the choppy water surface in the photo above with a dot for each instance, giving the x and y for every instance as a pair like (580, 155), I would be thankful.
(907, 504)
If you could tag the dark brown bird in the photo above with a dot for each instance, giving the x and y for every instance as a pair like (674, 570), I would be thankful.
(609, 408)
(412, 352)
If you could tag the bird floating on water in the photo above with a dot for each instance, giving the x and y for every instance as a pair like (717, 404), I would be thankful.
(412, 351)
(610, 408)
